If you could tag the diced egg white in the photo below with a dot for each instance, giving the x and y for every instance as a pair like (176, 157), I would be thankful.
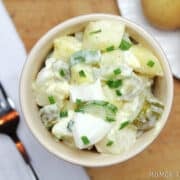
(44, 75)
(60, 129)
(87, 92)
(90, 126)
(50, 61)
(126, 71)
(59, 65)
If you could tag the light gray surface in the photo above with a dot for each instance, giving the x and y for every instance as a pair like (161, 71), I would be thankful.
(169, 40)
(12, 167)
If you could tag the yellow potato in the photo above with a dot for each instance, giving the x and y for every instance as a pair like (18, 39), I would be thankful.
(149, 64)
(164, 14)
(102, 34)
(65, 46)
(81, 73)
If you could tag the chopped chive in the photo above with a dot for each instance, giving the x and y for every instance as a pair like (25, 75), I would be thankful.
(62, 73)
(63, 114)
(125, 45)
(117, 71)
(79, 59)
(85, 140)
(78, 101)
(78, 110)
(51, 100)
(96, 31)
(109, 119)
(106, 104)
(150, 63)
(123, 125)
(100, 103)
(82, 73)
(110, 143)
(114, 84)
(112, 107)
(118, 93)
(110, 48)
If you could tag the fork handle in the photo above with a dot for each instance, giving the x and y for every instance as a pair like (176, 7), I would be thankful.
(23, 152)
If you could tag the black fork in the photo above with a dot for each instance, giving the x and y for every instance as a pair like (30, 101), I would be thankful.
(9, 119)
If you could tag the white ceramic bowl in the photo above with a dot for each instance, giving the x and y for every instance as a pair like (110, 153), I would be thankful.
(163, 89)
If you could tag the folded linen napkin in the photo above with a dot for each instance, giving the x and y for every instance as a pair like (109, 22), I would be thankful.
(12, 166)
(169, 40)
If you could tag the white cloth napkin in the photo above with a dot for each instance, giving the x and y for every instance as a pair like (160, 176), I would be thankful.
(169, 40)
(12, 167)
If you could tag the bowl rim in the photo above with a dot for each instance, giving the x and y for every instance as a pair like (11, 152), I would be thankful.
(74, 21)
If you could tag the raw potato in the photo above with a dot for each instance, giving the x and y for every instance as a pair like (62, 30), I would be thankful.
(164, 14)
(144, 56)
(101, 34)
(65, 46)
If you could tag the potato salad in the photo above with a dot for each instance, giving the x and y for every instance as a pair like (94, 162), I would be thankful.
(95, 90)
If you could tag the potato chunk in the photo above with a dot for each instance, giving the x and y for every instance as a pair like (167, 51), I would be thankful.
(65, 46)
(149, 64)
(102, 34)
(81, 73)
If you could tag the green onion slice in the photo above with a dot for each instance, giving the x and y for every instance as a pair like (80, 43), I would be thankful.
(63, 114)
(150, 63)
(85, 140)
(62, 72)
(114, 83)
(110, 143)
(51, 100)
(118, 93)
(124, 124)
(96, 31)
(82, 73)
(110, 48)
(117, 71)
(109, 119)
(125, 45)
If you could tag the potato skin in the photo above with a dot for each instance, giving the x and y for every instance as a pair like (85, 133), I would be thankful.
(164, 14)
